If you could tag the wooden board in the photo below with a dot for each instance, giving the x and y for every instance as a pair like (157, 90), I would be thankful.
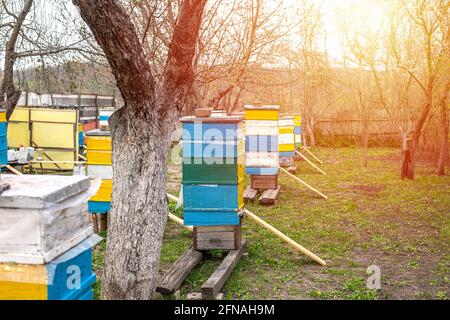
(104, 194)
(264, 182)
(219, 237)
(269, 196)
(38, 191)
(292, 169)
(174, 277)
(250, 194)
(216, 281)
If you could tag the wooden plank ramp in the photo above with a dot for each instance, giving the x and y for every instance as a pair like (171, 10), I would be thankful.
(269, 196)
(250, 194)
(174, 277)
(216, 281)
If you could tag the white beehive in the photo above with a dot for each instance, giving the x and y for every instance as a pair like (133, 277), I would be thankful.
(42, 216)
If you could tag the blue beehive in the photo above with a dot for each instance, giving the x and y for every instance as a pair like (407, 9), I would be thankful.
(68, 277)
(213, 150)
(3, 138)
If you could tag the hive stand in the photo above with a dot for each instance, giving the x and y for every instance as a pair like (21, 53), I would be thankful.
(267, 197)
(171, 281)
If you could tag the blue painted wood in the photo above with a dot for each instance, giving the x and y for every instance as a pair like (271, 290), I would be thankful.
(86, 295)
(216, 149)
(103, 118)
(3, 128)
(202, 218)
(298, 130)
(4, 156)
(261, 143)
(71, 274)
(99, 207)
(3, 142)
(211, 197)
(80, 139)
(261, 171)
(287, 154)
(199, 131)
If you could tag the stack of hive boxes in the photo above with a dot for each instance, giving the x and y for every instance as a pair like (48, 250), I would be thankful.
(46, 238)
(3, 139)
(286, 141)
(99, 165)
(298, 130)
(261, 146)
(213, 173)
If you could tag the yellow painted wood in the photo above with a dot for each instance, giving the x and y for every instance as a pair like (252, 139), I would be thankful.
(59, 157)
(241, 193)
(99, 157)
(50, 115)
(104, 193)
(2, 116)
(261, 115)
(23, 282)
(298, 120)
(18, 134)
(286, 147)
(98, 143)
(54, 135)
(20, 114)
(286, 130)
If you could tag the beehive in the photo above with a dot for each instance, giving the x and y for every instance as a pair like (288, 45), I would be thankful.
(67, 277)
(42, 216)
(213, 172)
(99, 165)
(298, 130)
(3, 138)
(103, 118)
(262, 145)
(286, 140)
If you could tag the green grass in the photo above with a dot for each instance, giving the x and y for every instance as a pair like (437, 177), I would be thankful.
(371, 218)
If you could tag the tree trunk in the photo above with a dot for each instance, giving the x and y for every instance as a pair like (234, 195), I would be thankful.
(443, 131)
(407, 163)
(139, 209)
(140, 133)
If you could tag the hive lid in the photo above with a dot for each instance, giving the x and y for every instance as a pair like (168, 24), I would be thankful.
(38, 191)
(250, 107)
(215, 119)
(98, 132)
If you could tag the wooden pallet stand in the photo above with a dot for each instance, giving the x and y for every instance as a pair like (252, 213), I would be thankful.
(220, 237)
(171, 281)
(212, 287)
(269, 196)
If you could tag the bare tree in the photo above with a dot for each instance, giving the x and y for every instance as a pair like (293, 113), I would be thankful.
(140, 132)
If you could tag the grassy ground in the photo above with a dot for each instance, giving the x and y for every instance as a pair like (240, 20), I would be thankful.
(371, 218)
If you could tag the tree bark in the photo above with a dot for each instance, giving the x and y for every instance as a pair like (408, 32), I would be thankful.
(443, 130)
(141, 139)
(8, 88)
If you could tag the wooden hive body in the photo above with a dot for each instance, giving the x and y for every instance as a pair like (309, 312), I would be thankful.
(262, 145)
(99, 165)
(213, 171)
(42, 216)
(3, 138)
(67, 277)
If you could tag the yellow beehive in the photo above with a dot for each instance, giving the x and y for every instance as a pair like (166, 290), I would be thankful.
(99, 143)
(104, 193)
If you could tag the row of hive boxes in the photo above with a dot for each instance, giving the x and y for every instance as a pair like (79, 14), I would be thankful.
(3, 139)
(99, 165)
(213, 171)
